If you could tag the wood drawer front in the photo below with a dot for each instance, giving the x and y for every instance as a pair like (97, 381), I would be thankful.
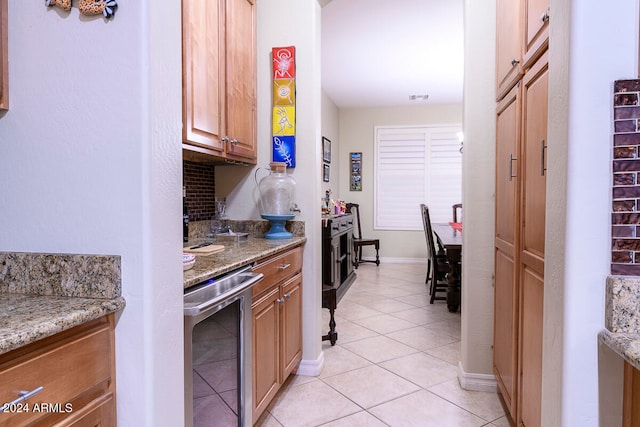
(277, 269)
(71, 372)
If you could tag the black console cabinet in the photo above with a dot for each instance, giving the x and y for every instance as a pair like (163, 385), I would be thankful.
(337, 265)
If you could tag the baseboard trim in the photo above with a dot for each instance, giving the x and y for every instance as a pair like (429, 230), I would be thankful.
(311, 368)
(476, 382)
(393, 260)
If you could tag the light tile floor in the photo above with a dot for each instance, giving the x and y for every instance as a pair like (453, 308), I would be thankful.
(395, 363)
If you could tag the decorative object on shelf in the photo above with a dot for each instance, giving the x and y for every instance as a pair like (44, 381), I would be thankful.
(88, 7)
(325, 172)
(356, 172)
(284, 105)
(277, 191)
(326, 149)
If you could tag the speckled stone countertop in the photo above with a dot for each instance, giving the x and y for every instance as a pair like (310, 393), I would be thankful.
(622, 318)
(235, 255)
(43, 294)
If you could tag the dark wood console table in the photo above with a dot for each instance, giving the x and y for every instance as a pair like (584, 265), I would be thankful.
(337, 265)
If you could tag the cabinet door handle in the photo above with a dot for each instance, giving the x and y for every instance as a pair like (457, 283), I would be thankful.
(514, 62)
(511, 159)
(544, 17)
(280, 300)
(284, 267)
(24, 395)
(543, 166)
(287, 295)
(225, 139)
(234, 141)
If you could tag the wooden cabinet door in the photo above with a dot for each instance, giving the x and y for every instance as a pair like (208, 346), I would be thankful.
(241, 78)
(530, 381)
(290, 326)
(203, 78)
(535, 34)
(533, 153)
(507, 225)
(508, 45)
(265, 313)
(532, 232)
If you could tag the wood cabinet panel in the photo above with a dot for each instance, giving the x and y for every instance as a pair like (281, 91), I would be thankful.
(535, 35)
(277, 269)
(534, 150)
(219, 80)
(241, 75)
(277, 325)
(4, 55)
(266, 321)
(505, 328)
(203, 73)
(75, 367)
(506, 240)
(508, 45)
(531, 322)
(507, 169)
(291, 326)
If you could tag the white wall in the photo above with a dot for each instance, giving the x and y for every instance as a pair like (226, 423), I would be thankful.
(331, 130)
(590, 49)
(478, 189)
(357, 135)
(90, 164)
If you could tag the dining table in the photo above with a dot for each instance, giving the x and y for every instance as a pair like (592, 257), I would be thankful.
(451, 236)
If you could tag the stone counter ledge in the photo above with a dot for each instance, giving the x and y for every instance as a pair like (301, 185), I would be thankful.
(622, 318)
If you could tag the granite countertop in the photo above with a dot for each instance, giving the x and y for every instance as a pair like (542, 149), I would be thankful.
(622, 318)
(235, 255)
(44, 294)
(27, 318)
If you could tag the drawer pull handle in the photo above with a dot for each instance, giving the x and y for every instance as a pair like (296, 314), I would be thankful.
(24, 395)
(284, 267)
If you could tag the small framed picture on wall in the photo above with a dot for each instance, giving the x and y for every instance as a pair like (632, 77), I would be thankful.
(326, 150)
(356, 172)
(325, 172)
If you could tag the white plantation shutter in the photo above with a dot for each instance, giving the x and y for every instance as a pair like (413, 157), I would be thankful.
(415, 165)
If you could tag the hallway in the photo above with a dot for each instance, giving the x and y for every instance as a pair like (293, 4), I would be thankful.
(395, 363)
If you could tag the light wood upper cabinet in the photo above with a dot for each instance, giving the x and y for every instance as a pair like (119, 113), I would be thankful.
(241, 78)
(535, 35)
(4, 56)
(219, 79)
(508, 45)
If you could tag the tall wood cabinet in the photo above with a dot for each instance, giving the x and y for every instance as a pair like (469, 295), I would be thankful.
(521, 158)
(219, 80)
(506, 245)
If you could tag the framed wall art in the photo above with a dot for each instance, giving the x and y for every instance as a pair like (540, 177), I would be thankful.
(356, 172)
(325, 172)
(326, 150)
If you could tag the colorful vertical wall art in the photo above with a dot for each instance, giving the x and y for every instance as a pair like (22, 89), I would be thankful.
(284, 105)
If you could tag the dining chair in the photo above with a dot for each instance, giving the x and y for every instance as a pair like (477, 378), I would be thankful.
(359, 242)
(456, 207)
(437, 265)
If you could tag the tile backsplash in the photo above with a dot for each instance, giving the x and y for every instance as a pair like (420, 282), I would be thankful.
(625, 217)
(199, 178)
